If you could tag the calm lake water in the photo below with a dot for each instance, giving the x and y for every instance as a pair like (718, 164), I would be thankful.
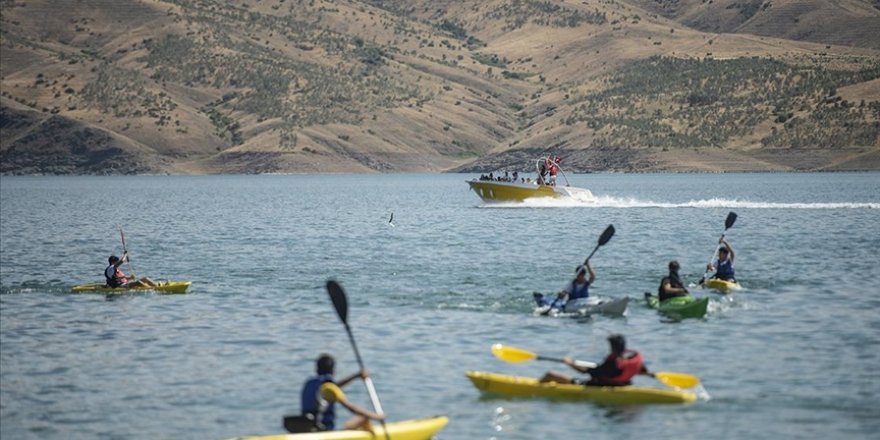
(794, 355)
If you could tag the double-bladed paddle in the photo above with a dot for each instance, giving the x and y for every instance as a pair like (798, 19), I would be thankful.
(517, 355)
(340, 303)
(728, 222)
(604, 238)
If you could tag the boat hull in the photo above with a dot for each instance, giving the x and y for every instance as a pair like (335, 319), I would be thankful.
(163, 287)
(517, 386)
(581, 307)
(417, 429)
(679, 307)
(721, 285)
(491, 191)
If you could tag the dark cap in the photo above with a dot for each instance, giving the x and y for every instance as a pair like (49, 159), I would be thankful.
(325, 364)
(673, 265)
(113, 259)
(618, 343)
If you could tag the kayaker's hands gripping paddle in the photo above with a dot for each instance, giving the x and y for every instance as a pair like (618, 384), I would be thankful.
(125, 251)
(728, 222)
(340, 303)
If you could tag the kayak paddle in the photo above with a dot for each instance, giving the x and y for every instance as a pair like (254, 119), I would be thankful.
(340, 303)
(517, 355)
(125, 251)
(604, 238)
(728, 222)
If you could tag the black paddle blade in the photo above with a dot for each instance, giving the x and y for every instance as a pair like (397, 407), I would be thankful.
(731, 217)
(337, 295)
(609, 232)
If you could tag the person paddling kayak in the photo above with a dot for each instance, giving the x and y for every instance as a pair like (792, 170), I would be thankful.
(117, 279)
(723, 266)
(321, 392)
(618, 368)
(574, 292)
(671, 285)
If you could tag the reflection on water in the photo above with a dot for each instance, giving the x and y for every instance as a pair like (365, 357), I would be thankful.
(427, 300)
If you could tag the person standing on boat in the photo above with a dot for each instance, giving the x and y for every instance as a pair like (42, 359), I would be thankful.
(618, 368)
(321, 393)
(117, 279)
(671, 285)
(723, 266)
(554, 169)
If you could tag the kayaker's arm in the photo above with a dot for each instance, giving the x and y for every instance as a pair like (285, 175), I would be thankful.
(668, 289)
(363, 374)
(590, 271)
(363, 412)
(331, 392)
(570, 362)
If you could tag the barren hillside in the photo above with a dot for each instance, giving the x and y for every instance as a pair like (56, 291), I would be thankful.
(204, 86)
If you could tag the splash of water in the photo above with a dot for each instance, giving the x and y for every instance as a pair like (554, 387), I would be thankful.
(624, 202)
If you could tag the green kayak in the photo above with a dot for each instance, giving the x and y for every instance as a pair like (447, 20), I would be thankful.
(679, 307)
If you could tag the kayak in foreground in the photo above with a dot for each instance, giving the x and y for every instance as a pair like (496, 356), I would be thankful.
(161, 287)
(518, 386)
(418, 429)
(680, 306)
(581, 306)
(722, 286)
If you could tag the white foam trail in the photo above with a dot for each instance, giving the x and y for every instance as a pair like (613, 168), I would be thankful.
(621, 202)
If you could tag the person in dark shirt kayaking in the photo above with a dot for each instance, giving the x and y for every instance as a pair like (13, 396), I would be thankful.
(723, 266)
(117, 279)
(321, 392)
(671, 285)
(618, 368)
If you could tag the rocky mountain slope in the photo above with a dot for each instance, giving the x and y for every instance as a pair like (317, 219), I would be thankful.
(211, 86)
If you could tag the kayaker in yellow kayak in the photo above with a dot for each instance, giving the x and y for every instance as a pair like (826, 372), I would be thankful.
(618, 368)
(671, 285)
(320, 393)
(723, 266)
(117, 279)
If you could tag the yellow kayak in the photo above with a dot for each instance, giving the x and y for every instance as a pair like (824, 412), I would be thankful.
(162, 287)
(517, 386)
(721, 285)
(418, 429)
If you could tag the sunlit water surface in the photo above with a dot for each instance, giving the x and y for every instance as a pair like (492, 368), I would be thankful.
(794, 355)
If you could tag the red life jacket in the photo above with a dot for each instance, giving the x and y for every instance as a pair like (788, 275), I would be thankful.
(629, 365)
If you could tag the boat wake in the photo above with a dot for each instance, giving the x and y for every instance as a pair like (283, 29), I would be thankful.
(622, 202)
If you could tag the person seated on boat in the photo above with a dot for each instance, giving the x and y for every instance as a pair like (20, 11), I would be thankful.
(618, 368)
(321, 393)
(671, 285)
(117, 279)
(723, 266)
(515, 176)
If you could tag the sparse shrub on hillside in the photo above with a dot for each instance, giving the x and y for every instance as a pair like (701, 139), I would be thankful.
(715, 102)
(122, 93)
(517, 13)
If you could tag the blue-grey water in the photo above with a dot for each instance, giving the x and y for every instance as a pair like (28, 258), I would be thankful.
(794, 355)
